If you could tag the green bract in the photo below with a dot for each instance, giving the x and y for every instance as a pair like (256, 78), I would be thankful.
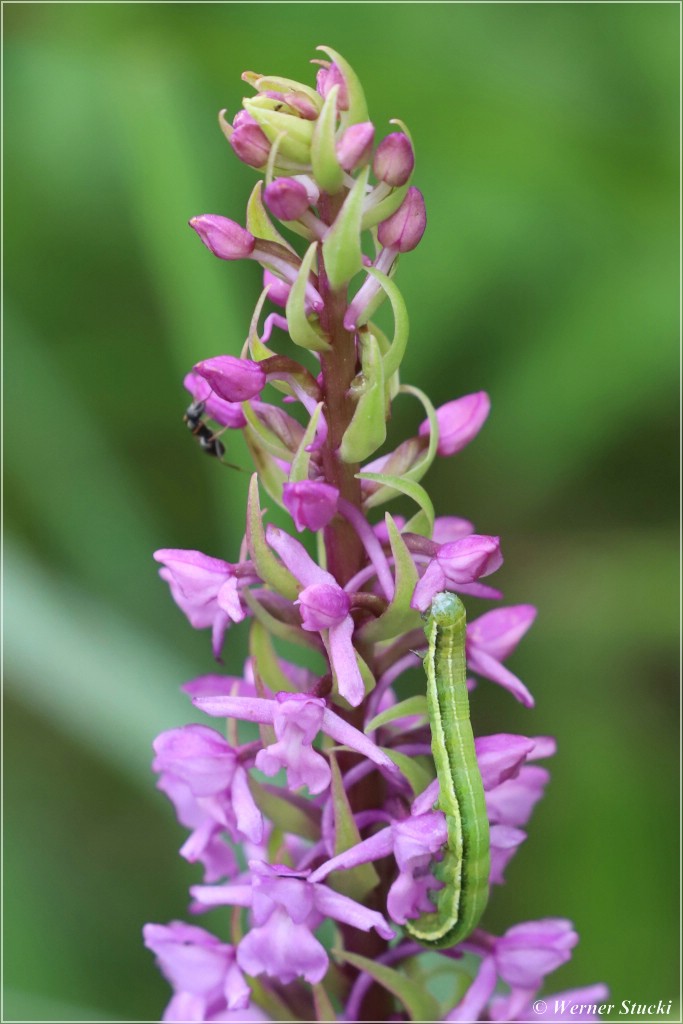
(342, 243)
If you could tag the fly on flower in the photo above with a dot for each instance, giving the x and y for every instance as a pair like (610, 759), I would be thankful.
(207, 438)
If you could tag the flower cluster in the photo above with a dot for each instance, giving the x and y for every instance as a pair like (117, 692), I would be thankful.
(323, 865)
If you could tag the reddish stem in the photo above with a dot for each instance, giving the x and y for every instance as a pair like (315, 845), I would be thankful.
(339, 366)
(345, 552)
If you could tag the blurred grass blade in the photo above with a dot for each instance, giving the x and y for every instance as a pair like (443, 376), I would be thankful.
(58, 661)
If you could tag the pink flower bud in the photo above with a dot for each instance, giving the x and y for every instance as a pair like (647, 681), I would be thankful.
(459, 421)
(310, 503)
(404, 229)
(394, 159)
(250, 144)
(322, 605)
(286, 199)
(302, 104)
(327, 78)
(355, 145)
(224, 237)
(241, 118)
(462, 561)
(235, 380)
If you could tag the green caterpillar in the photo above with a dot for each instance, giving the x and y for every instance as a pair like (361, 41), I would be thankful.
(464, 869)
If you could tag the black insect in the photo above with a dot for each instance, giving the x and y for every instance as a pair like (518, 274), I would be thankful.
(207, 438)
(208, 441)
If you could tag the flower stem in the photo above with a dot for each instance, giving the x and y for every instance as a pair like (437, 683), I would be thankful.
(342, 543)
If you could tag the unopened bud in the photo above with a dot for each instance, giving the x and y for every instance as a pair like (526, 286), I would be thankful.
(463, 561)
(241, 118)
(233, 379)
(355, 146)
(286, 199)
(394, 159)
(459, 421)
(310, 503)
(328, 77)
(250, 144)
(278, 120)
(225, 238)
(302, 104)
(322, 605)
(404, 229)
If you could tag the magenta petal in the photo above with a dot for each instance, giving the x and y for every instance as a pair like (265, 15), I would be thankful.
(459, 422)
(229, 602)
(480, 590)
(450, 528)
(278, 290)
(432, 583)
(195, 580)
(409, 896)
(304, 766)
(322, 606)
(478, 994)
(342, 908)
(248, 709)
(419, 836)
(344, 664)
(377, 846)
(512, 802)
(426, 799)
(544, 746)
(499, 631)
(184, 1008)
(198, 576)
(298, 711)
(504, 841)
(199, 756)
(500, 756)
(283, 950)
(485, 665)
(236, 991)
(220, 624)
(347, 735)
(296, 558)
(193, 960)
(222, 895)
(249, 818)
(213, 852)
(278, 886)
(527, 952)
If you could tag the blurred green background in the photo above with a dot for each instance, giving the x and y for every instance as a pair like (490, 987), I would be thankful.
(546, 140)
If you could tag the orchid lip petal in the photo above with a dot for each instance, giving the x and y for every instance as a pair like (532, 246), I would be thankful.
(483, 664)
